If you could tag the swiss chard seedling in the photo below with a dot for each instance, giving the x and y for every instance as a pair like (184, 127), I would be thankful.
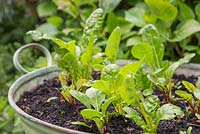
(111, 82)
(192, 97)
(151, 51)
(96, 107)
(148, 106)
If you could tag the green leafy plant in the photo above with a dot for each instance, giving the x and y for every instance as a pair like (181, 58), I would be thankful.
(112, 81)
(148, 106)
(175, 21)
(96, 107)
(192, 96)
(151, 52)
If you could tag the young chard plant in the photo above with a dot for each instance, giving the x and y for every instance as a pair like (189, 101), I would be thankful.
(148, 106)
(96, 107)
(192, 96)
(75, 61)
(151, 51)
(112, 77)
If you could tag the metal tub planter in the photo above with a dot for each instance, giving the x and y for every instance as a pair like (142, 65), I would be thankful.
(31, 80)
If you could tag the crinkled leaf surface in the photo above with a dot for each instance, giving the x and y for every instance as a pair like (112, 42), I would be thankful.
(96, 97)
(169, 111)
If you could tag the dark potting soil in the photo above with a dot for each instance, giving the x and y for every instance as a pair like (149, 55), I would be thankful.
(46, 103)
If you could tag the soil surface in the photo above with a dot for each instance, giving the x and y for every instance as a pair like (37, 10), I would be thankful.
(46, 103)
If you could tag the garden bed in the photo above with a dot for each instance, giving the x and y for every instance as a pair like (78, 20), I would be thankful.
(45, 102)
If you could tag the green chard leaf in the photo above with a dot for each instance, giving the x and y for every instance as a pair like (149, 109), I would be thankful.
(174, 66)
(143, 51)
(163, 9)
(185, 11)
(112, 46)
(133, 115)
(110, 72)
(86, 58)
(96, 97)
(188, 28)
(151, 103)
(152, 51)
(185, 95)
(93, 26)
(104, 86)
(108, 5)
(94, 115)
(189, 86)
(135, 15)
(106, 104)
(87, 54)
(70, 46)
(169, 111)
(130, 69)
(83, 98)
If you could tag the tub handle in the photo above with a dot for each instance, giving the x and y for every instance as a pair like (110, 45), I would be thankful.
(36, 45)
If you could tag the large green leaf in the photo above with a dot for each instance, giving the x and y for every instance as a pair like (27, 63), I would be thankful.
(185, 11)
(168, 112)
(108, 5)
(113, 45)
(188, 28)
(96, 97)
(83, 98)
(133, 115)
(163, 9)
(135, 15)
(143, 51)
(151, 35)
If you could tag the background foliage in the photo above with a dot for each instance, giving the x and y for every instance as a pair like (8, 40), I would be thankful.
(179, 27)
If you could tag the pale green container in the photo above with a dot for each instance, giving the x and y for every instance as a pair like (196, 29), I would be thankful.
(28, 82)
(31, 80)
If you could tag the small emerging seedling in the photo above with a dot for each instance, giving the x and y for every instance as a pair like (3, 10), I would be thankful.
(192, 96)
